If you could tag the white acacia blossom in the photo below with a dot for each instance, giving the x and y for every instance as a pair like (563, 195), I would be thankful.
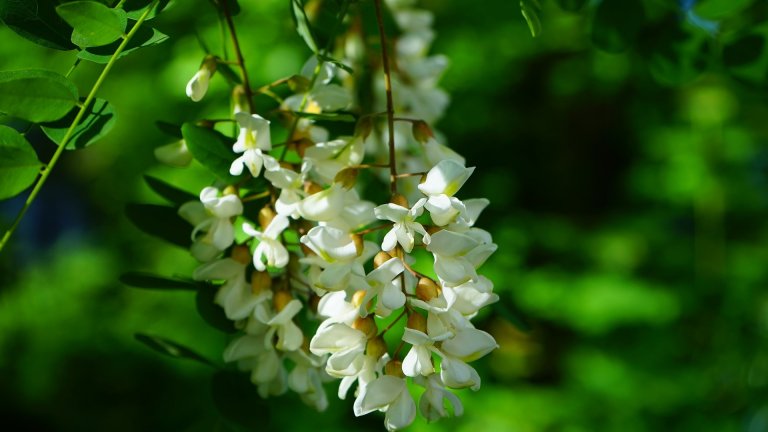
(320, 282)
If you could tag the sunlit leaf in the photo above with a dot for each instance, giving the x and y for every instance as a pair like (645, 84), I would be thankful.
(160, 221)
(143, 38)
(171, 348)
(136, 8)
(94, 24)
(151, 281)
(19, 165)
(210, 148)
(97, 121)
(718, 9)
(530, 9)
(37, 21)
(301, 22)
(171, 193)
(36, 95)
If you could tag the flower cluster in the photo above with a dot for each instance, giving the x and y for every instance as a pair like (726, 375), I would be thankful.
(401, 274)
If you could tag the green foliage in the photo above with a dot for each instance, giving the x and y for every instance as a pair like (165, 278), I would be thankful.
(211, 148)
(36, 95)
(303, 27)
(718, 9)
(37, 21)
(94, 24)
(98, 120)
(135, 8)
(212, 313)
(530, 10)
(152, 281)
(171, 193)
(160, 221)
(171, 348)
(616, 24)
(144, 37)
(19, 165)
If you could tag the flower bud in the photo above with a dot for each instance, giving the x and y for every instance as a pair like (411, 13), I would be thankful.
(432, 229)
(359, 244)
(394, 368)
(380, 259)
(417, 321)
(198, 85)
(399, 200)
(266, 214)
(376, 347)
(347, 177)
(239, 99)
(302, 145)
(311, 188)
(281, 299)
(174, 154)
(366, 325)
(357, 298)
(421, 131)
(427, 289)
(260, 282)
(229, 190)
(298, 84)
(241, 254)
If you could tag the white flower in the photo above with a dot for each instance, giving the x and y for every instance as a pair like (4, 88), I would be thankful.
(442, 182)
(385, 285)
(432, 403)
(254, 352)
(290, 184)
(390, 394)
(345, 345)
(253, 141)
(235, 296)
(198, 85)
(326, 159)
(405, 225)
(269, 245)
(458, 255)
(306, 380)
(324, 205)
(289, 335)
(466, 345)
(337, 256)
(211, 218)
(174, 154)
(471, 296)
(418, 361)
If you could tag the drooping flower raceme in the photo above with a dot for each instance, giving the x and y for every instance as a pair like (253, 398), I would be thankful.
(298, 240)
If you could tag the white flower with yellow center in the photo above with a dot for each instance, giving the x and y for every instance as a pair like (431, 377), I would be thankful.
(253, 142)
(405, 226)
(212, 219)
(270, 246)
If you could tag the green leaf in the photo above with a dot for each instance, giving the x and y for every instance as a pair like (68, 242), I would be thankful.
(571, 5)
(212, 313)
(335, 62)
(170, 129)
(151, 281)
(19, 165)
(37, 21)
(719, 9)
(97, 121)
(210, 148)
(334, 117)
(143, 37)
(135, 8)
(36, 95)
(235, 397)
(171, 193)
(171, 348)
(301, 21)
(616, 24)
(530, 9)
(94, 24)
(160, 221)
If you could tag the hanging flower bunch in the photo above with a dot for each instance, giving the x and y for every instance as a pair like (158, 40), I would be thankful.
(321, 281)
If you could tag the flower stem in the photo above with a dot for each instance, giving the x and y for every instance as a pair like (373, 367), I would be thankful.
(238, 54)
(62, 145)
(390, 104)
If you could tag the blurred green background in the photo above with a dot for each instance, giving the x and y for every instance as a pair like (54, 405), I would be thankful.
(625, 154)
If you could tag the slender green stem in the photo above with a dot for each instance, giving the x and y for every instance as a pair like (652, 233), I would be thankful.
(390, 104)
(62, 145)
(119, 4)
(238, 55)
(74, 66)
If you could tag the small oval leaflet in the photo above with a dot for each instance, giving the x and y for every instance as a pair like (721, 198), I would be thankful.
(94, 23)
(19, 164)
(98, 120)
(36, 95)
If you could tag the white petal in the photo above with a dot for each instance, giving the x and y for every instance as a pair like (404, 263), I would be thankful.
(446, 177)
